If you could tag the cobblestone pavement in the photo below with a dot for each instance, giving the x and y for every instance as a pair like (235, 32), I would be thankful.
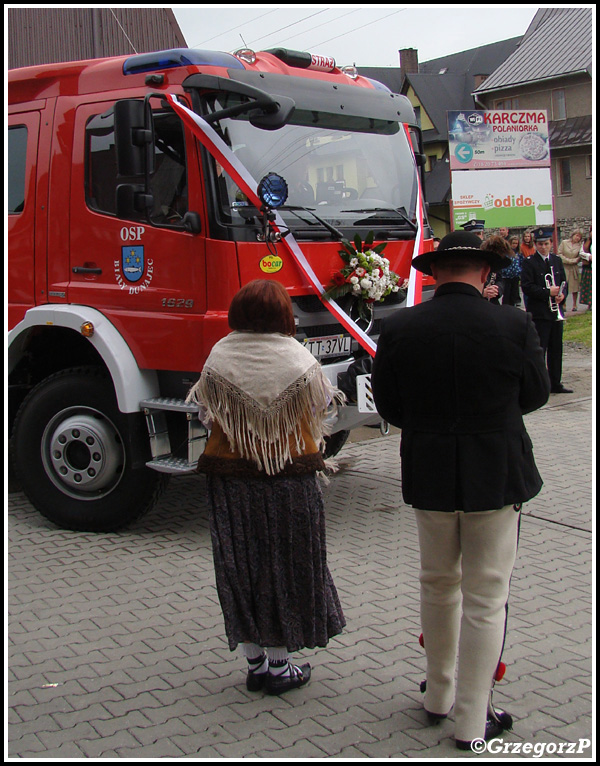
(116, 646)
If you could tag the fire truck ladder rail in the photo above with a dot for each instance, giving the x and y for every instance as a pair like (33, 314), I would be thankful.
(160, 445)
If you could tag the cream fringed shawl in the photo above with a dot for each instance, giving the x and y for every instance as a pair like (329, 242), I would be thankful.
(259, 388)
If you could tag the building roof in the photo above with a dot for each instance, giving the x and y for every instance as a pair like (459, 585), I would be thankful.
(437, 182)
(389, 75)
(575, 131)
(476, 61)
(558, 42)
(446, 83)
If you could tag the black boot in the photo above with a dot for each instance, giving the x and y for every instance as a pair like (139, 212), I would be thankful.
(497, 722)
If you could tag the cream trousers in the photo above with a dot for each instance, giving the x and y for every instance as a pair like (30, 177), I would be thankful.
(466, 563)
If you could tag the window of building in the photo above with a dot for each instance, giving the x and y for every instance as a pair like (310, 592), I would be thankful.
(559, 105)
(564, 175)
(507, 103)
(588, 166)
(17, 154)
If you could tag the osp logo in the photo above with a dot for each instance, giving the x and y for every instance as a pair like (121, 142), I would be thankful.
(270, 264)
(475, 119)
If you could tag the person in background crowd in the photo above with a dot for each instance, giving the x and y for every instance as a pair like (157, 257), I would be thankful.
(467, 466)
(527, 248)
(512, 274)
(494, 286)
(265, 399)
(569, 251)
(544, 283)
(586, 271)
(475, 225)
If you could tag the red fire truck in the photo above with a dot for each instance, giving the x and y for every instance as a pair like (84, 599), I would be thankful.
(128, 237)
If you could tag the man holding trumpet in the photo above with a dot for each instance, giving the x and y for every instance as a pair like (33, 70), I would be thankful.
(544, 285)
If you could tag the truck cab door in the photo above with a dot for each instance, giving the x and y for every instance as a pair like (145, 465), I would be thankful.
(23, 132)
(148, 278)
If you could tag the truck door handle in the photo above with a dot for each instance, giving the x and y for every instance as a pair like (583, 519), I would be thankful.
(86, 270)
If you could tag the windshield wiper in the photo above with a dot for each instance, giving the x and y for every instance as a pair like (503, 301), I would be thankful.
(294, 210)
(398, 210)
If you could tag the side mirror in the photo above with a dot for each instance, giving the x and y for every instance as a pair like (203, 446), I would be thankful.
(132, 201)
(275, 119)
(134, 137)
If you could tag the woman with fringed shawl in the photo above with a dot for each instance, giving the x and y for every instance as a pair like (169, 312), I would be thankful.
(266, 400)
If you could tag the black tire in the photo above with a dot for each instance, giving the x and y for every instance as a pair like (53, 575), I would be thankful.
(73, 454)
(335, 442)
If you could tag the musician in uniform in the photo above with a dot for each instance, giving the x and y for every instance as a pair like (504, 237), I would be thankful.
(456, 374)
(544, 285)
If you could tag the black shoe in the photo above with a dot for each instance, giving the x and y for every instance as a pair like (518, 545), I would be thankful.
(255, 681)
(496, 723)
(435, 718)
(298, 676)
(561, 390)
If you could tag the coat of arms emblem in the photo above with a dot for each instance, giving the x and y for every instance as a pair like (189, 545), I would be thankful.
(132, 258)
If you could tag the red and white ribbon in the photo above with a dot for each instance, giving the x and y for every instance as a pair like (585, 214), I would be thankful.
(415, 279)
(247, 184)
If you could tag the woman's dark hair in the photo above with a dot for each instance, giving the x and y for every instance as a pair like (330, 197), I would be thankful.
(262, 305)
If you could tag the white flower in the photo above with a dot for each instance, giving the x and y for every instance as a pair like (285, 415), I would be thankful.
(353, 262)
(353, 280)
(365, 283)
(360, 272)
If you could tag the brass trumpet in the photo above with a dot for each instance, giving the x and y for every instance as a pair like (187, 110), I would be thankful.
(554, 304)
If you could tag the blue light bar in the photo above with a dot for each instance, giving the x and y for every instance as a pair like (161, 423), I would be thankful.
(176, 57)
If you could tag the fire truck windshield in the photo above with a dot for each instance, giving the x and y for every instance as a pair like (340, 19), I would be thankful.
(354, 172)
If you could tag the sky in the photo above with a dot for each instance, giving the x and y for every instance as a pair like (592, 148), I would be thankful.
(363, 35)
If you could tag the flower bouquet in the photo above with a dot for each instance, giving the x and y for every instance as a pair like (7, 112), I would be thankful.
(366, 276)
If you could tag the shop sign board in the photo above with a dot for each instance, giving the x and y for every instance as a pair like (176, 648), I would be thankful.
(492, 139)
(511, 197)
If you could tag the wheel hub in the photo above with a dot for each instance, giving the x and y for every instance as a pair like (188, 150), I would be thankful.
(82, 452)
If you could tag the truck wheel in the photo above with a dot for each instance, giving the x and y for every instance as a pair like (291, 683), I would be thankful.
(73, 454)
(335, 442)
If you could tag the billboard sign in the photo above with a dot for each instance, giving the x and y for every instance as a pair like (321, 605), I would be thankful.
(498, 139)
(514, 197)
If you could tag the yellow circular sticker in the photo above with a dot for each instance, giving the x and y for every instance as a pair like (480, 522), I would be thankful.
(271, 263)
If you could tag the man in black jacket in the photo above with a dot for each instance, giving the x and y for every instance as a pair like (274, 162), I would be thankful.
(456, 374)
(544, 285)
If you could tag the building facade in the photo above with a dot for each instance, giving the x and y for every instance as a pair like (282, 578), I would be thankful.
(50, 35)
(552, 69)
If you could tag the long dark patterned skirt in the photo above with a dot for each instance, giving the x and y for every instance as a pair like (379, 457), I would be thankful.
(269, 549)
(585, 294)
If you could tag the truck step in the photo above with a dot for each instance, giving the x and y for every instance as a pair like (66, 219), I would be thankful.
(172, 465)
(166, 403)
(163, 460)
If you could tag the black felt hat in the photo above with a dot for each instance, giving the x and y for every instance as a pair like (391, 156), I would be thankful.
(461, 243)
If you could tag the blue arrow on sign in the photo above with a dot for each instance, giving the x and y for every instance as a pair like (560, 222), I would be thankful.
(464, 153)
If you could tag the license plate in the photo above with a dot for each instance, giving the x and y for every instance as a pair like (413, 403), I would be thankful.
(332, 345)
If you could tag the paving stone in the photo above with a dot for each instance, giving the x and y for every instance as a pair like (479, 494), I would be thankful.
(116, 646)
